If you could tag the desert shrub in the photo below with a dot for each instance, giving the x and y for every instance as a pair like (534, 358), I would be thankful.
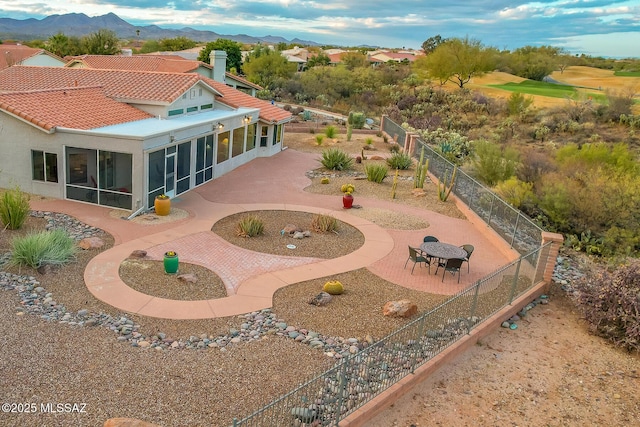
(250, 226)
(323, 223)
(394, 148)
(493, 164)
(330, 131)
(47, 247)
(375, 172)
(399, 160)
(319, 139)
(336, 159)
(357, 120)
(610, 302)
(518, 103)
(14, 208)
(349, 132)
(516, 192)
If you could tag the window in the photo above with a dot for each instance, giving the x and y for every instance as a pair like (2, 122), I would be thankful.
(44, 166)
(223, 147)
(191, 109)
(238, 142)
(251, 136)
(175, 112)
(206, 106)
(277, 134)
(264, 135)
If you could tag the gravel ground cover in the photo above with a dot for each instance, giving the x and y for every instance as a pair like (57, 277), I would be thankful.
(54, 362)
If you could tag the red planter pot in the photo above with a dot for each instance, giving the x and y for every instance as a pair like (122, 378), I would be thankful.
(347, 201)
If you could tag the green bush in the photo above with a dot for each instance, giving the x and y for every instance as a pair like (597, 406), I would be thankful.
(357, 120)
(319, 139)
(515, 192)
(14, 208)
(330, 131)
(399, 160)
(610, 302)
(323, 223)
(250, 226)
(375, 172)
(336, 159)
(492, 164)
(47, 247)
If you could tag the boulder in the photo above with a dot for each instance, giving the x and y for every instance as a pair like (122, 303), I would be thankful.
(298, 235)
(402, 308)
(323, 298)
(291, 228)
(47, 269)
(91, 243)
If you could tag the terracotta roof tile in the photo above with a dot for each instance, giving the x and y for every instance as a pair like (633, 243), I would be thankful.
(118, 84)
(136, 63)
(77, 108)
(129, 86)
(14, 54)
(236, 99)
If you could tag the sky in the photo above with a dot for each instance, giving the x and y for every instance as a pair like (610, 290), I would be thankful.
(609, 28)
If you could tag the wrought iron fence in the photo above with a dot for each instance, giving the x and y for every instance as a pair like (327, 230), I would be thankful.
(512, 225)
(331, 396)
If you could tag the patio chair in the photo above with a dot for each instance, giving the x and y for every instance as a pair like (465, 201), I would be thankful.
(452, 266)
(417, 257)
(469, 250)
(430, 239)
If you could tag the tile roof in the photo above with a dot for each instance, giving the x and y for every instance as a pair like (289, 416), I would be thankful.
(117, 87)
(236, 99)
(149, 62)
(77, 108)
(14, 54)
(122, 85)
(169, 64)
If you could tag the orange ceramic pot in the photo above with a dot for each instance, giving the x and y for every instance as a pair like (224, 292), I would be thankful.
(162, 206)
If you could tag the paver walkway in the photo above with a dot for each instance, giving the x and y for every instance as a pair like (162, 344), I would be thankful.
(251, 279)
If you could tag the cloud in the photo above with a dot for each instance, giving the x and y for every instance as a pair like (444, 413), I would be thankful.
(499, 23)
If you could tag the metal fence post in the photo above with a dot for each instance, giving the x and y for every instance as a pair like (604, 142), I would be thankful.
(516, 276)
(342, 389)
(417, 343)
(475, 301)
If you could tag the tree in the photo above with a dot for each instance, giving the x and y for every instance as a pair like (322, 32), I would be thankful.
(353, 60)
(321, 59)
(102, 42)
(535, 63)
(150, 46)
(233, 50)
(63, 45)
(264, 66)
(430, 44)
(176, 44)
(458, 60)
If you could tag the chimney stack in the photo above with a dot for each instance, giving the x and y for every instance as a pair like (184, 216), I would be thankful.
(218, 59)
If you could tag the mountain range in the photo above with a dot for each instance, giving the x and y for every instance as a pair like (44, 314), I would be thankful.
(79, 25)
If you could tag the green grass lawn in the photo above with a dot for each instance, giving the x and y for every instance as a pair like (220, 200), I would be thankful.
(627, 74)
(538, 88)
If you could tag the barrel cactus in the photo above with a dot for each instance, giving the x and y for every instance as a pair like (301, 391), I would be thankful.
(333, 287)
(324, 180)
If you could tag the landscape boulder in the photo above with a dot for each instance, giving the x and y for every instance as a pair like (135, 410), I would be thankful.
(91, 243)
(402, 308)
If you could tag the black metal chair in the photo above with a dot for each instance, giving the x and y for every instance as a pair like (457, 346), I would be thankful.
(417, 256)
(469, 250)
(452, 266)
(430, 239)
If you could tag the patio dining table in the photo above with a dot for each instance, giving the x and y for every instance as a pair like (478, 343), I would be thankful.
(443, 250)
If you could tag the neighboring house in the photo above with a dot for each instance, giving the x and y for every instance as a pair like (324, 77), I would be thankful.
(381, 57)
(166, 63)
(17, 54)
(120, 137)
